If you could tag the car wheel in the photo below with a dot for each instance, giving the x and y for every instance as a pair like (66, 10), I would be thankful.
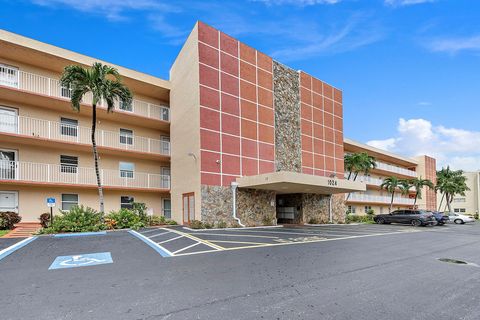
(380, 221)
(416, 223)
(458, 221)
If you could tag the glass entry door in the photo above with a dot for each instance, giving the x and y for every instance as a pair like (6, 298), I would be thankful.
(8, 165)
(8, 120)
(167, 208)
(188, 207)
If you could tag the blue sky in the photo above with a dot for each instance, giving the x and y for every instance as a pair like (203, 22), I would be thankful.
(409, 69)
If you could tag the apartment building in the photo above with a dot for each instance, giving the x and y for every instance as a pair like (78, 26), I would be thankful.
(390, 164)
(468, 204)
(233, 135)
(45, 146)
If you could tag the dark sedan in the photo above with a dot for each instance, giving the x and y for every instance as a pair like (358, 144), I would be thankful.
(414, 217)
(440, 217)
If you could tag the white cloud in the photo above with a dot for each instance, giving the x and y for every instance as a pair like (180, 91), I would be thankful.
(297, 2)
(401, 3)
(458, 148)
(455, 45)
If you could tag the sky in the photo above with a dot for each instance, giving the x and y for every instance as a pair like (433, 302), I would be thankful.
(409, 69)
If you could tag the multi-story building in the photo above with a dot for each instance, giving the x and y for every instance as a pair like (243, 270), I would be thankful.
(390, 164)
(468, 204)
(243, 137)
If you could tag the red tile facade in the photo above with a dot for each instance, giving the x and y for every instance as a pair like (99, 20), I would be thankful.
(431, 174)
(236, 109)
(321, 117)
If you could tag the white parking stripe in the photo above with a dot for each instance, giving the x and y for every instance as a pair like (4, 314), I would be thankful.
(186, 248)
(150, 230)
(234, 235)
(161, 242)
(156, 235)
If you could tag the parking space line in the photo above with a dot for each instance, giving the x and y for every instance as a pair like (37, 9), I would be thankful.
(240, 242)
(156, 235)
(161, 242)
(186, 248)
(155, 246)
(9, 250)
(150, 230)
(275, 232)
(205, 242)
(236, 235)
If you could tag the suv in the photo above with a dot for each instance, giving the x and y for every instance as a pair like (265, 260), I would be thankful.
(414, 217)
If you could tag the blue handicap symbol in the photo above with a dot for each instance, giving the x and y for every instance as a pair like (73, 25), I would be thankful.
(81, 260)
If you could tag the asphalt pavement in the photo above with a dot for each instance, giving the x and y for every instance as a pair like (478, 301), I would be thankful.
(353, 272)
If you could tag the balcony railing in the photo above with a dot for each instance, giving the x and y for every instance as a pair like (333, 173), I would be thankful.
(53, 130)
(12, 77)
(359, 197)
(391, 168)
(64, 174)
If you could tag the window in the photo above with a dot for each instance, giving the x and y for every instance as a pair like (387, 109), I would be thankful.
(165, 144)
(167, 208)
(126, 202)
(68, 164)
(8, 76)
(459, 200)
(69, 200)
(68, 127)
(126, 169)
(352, 209)
(65, 92)
(165, 114)
(368, 209)
(460, 210)
(126, 136)
(125, 107)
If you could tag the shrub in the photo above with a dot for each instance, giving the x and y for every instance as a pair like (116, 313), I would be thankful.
(8, 220)
(360, 219)
(313, 220)
(171, 222)
(266, 221)
(208, 225)
(78, 219)
(221, 224)
(235, 224)
(157, 220)
(370, 212)
(125, 218)
(140, 209)
(45, 219)
(196, 224)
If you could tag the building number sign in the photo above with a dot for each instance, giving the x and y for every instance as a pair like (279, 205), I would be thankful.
(332, 182)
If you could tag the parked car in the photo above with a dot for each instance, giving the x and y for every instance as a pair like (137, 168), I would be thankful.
(440, 218)
(413, 217)
(459, 218)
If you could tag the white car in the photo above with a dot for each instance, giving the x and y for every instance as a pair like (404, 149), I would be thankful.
(460, 218)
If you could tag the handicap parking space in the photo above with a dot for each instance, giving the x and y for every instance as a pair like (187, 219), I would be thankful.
(181, 241)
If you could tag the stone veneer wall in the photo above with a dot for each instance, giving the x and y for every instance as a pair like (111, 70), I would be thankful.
(253, 206)
(286, 88)
(316, 208)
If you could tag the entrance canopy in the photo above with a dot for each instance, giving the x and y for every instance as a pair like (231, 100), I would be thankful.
(293, 182)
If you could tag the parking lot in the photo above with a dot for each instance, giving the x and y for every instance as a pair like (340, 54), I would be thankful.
(180, 241)
(309, 272)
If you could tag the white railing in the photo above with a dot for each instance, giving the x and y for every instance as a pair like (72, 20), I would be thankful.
(359, 197)
(35, 83)
(53, 130)
(55, 173)
(395, 169)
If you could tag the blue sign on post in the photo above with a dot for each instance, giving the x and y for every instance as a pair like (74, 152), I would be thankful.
(81, 260)
(51, 202)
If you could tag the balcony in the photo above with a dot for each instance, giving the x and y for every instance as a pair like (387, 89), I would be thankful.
(52, 130)
(390, 168)
(55, 174)
(359, 197)
(34, 83)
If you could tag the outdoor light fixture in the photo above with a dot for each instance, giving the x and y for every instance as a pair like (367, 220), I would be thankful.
(191, 154)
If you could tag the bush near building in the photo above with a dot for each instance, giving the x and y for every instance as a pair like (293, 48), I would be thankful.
(86, 219)
(8, 220)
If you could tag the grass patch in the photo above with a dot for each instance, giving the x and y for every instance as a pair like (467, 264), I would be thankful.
(3, 232)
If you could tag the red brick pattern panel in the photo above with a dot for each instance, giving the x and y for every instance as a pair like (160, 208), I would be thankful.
(321, 115)
(236, 108)
(431, 174)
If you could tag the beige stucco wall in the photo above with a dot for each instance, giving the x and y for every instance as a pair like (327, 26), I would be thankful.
(185, 126)
(471, 201)
(31, 200)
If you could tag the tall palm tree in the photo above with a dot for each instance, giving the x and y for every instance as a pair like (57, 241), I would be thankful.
(356, 163)
(419, 184)
(450, 183)
(391, 184)
(104, 84)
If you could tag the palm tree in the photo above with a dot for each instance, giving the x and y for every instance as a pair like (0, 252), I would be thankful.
(104, 84)
(419, 184)
(356, 163)
(450, 183)
(391, 184)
